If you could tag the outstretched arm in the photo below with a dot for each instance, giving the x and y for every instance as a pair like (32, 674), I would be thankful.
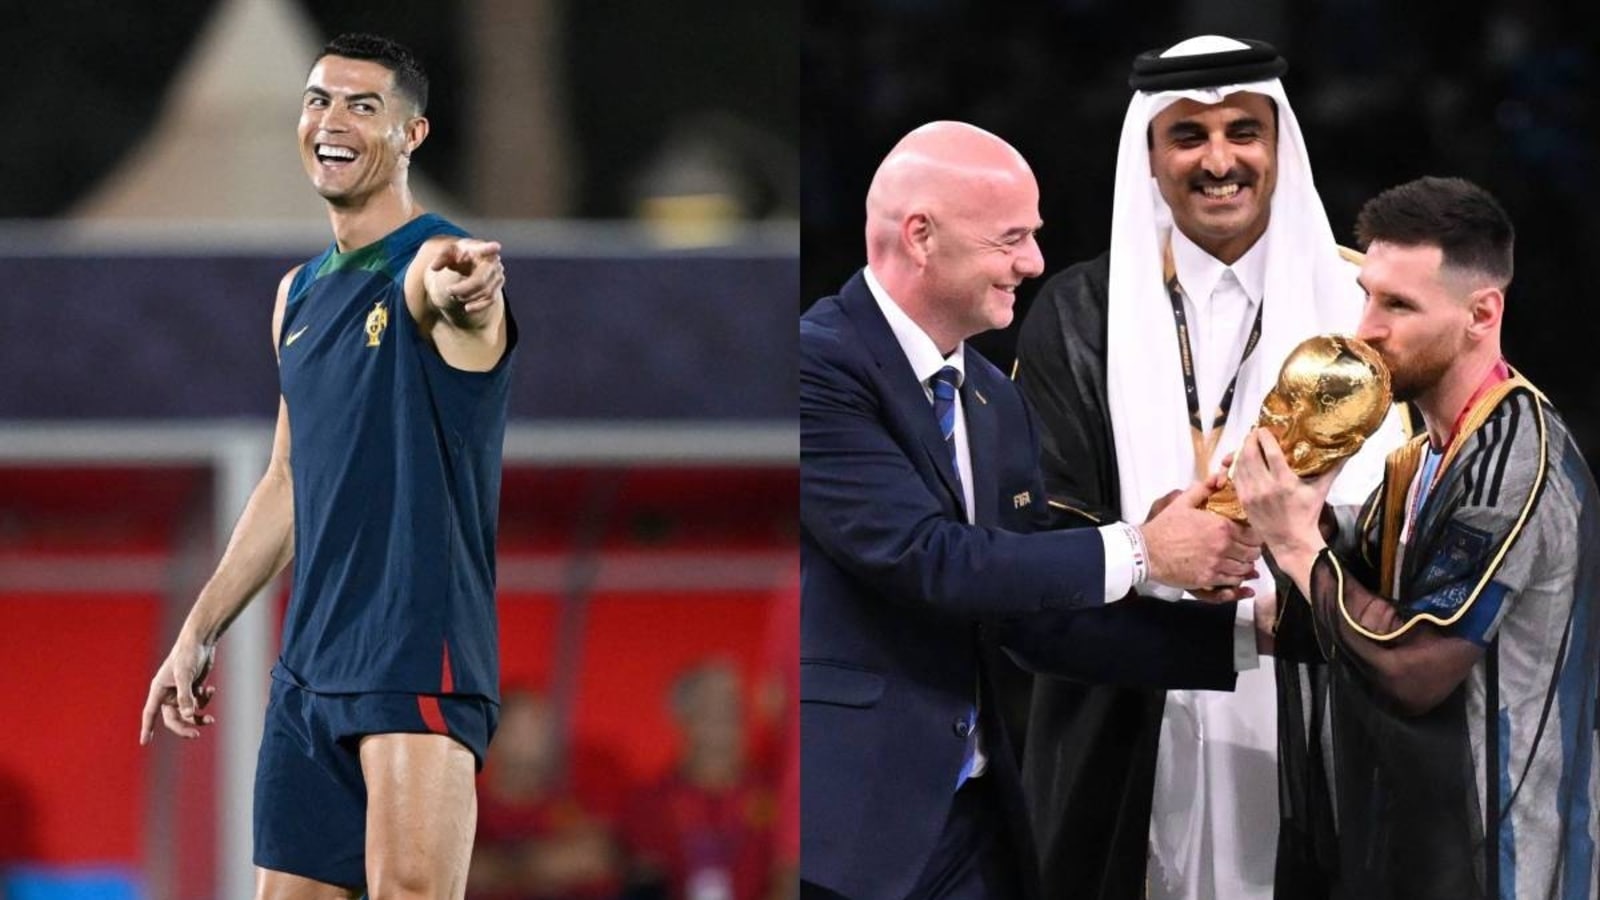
(456, 293)
(864, 503)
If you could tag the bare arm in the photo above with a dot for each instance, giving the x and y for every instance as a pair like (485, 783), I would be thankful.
(261, 545)
(455, 290)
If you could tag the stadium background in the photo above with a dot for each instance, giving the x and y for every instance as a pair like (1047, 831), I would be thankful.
(638, 161)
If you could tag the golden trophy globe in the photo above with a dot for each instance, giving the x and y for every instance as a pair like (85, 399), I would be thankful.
(1332, 394)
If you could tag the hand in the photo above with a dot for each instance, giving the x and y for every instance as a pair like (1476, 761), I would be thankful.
(1164, 501)
(1223, 473)
(178, 694)
(1194, 549)
(482, 275)
(1282, 506)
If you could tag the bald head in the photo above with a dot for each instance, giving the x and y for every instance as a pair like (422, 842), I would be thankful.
(951, 217)
(941, 169)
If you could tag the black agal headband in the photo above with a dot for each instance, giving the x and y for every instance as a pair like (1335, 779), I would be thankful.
(1257, 61)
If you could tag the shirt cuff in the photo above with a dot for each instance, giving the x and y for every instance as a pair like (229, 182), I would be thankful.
(1125, 559)
(1245, 656)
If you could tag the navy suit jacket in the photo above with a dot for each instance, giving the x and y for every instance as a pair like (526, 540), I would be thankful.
(902, 601)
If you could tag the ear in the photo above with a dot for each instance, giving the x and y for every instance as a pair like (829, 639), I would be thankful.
(1485, 306)
(917, 236)
(416, 133)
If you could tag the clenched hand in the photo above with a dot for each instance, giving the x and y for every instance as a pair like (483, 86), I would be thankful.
(1198, 550)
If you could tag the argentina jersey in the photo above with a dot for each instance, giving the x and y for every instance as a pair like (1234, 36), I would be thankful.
(396, 459)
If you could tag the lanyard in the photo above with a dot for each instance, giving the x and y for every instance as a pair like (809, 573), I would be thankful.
(1205, 442)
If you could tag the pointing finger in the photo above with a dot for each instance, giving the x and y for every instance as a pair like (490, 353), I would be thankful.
(448, 257)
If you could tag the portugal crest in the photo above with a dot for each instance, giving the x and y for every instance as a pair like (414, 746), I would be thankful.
(377, 321)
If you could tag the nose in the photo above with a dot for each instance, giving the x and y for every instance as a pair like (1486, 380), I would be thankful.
(1218, 158)
(1030, 262)
(1371, 329)
(330, 118)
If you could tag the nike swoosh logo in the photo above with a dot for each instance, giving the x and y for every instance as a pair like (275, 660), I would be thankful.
(294, 337)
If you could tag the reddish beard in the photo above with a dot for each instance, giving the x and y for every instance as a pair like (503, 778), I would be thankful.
(1413, 377)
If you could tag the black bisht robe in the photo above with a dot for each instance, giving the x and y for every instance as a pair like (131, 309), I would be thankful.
(1090, 752)
(1089, 757)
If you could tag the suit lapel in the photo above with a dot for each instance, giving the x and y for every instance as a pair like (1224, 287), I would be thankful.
(983, 441)
(902, 392)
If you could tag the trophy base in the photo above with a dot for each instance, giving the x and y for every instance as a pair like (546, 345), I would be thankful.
(1226, 503)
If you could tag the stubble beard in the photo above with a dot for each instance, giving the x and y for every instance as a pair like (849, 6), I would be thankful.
(1411, 379)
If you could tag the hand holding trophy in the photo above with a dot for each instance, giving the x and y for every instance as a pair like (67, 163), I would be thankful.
(1332, 394)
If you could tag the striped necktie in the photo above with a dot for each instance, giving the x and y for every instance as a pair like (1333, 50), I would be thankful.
(944, 383)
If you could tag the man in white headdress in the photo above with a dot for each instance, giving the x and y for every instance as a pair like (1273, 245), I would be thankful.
(1146, 366)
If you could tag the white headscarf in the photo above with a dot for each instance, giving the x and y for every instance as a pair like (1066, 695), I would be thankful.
(1308, 290)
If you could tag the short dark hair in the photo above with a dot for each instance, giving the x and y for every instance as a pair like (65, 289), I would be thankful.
(1464, 221)
(409, 79)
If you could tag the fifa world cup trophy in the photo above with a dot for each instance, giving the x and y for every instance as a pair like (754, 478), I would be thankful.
(1332, 394)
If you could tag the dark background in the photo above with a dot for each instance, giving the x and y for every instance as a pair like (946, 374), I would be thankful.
(1498, 93)
(617, 325)
(86, 79)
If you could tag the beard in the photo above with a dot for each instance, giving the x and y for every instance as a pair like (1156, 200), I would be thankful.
(1413, 377)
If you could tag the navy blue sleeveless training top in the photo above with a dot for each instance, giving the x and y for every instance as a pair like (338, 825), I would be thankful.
(396, 463)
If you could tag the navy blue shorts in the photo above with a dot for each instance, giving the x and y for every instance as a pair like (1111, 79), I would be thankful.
(311, 798)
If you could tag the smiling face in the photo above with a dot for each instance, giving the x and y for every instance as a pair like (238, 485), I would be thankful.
(984, 247)
(356, 131)
(1216, 167)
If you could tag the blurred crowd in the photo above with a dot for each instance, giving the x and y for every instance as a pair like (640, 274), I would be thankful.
(720, 823)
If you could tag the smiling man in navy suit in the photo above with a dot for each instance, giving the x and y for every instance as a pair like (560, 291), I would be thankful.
(920, 496)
